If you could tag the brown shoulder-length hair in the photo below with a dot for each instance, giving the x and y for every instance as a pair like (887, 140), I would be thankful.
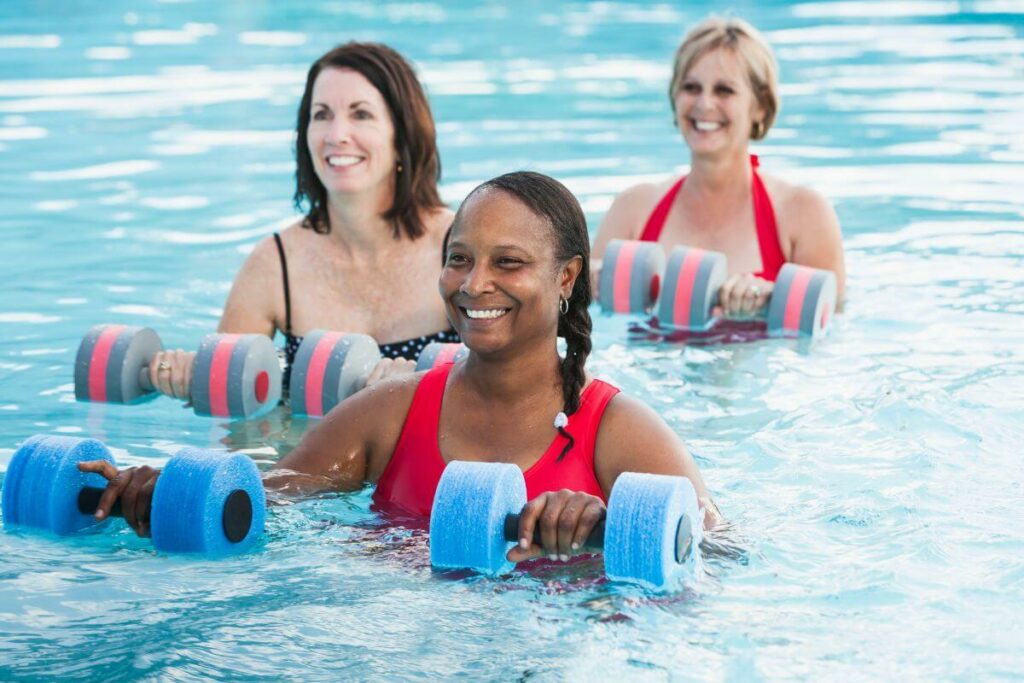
(415, 139)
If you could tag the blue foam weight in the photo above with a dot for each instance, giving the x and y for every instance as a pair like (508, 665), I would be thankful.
(468, 516)
(42, 483)
(640, 532)
(188, 503)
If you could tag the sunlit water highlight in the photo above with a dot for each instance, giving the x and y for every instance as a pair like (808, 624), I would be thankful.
(873, 479)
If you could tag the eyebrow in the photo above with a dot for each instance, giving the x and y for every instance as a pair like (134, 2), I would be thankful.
(507, 247)
(354, 104)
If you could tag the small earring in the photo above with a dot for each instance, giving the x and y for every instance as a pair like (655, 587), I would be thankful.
(563, 305)
(399, 166)
(758, 130)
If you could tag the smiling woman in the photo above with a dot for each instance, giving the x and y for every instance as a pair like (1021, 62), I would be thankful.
(367, 174)
(515, 277)
(724, 93)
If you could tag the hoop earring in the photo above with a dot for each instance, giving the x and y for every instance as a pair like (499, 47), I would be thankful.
(563, 305)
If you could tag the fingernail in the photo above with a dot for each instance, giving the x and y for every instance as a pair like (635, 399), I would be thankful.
(524, 543)
(99, 514)
(563, 558)
(575, 546)
(553, 558)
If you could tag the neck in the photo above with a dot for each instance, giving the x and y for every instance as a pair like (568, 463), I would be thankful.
(357, 227)
(533, 377)
(728, 174)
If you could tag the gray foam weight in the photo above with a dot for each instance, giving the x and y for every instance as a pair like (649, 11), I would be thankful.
(251, 356)
(428, 356)
(703, 293)
(816, 308)
(351, 359)
(131, 351)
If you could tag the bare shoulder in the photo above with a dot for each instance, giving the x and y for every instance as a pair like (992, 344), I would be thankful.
(628, 213)
(799, 208)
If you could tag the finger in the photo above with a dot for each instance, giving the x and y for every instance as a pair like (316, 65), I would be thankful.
(111, 494)
(154, 369)
(592, 514)
(163, 374)
(129, 497)
(549, 522)
(144, 503)
(379, 371)
(568, 520)
(725, 292)
(177, 374)
(736, 295)
(749, 301)
(103, 467)
(526, 548)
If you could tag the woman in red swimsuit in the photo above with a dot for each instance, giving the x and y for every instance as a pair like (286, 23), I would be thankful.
(515, 279)
(724, 93)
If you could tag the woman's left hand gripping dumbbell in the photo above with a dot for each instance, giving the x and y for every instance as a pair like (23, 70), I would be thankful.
(565, 519)
(132, 487)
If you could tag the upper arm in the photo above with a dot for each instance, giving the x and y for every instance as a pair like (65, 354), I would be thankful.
(251, 304)
(815, 234)
(354, 442)
(633, 438)
(623, 219)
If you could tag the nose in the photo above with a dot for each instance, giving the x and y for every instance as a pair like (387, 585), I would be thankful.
(478, 281)
(338, 132)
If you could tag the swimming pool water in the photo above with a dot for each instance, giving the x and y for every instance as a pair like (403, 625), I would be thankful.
(873, 480)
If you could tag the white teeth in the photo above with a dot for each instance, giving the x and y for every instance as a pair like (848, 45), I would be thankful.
(343, 160)
(485, 314)
(706, 125)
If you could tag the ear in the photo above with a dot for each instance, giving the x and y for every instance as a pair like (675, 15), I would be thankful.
(570, 271)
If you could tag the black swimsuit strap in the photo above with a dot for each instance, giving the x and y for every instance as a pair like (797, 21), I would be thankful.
(287, 297)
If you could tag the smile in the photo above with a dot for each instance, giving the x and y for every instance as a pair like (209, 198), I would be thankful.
(484, 313)
(706, 126)
(343, 160)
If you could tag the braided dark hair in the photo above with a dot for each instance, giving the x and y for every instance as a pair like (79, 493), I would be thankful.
(552, 201)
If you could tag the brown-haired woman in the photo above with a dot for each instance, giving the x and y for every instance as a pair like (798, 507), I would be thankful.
(724, 93)
(367, 173)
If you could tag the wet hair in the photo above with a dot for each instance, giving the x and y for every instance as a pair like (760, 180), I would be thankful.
(747, 43)
(552, 201)
(415, 139)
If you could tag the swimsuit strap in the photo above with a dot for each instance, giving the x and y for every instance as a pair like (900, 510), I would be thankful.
(656, 221)
(284, 277)
(772, 258)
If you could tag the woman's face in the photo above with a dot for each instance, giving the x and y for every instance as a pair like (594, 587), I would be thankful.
(350, 135)
(715, 105)
(501, 281)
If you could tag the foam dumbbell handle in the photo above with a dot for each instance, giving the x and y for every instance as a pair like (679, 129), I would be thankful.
(595, 540)
(236, 518)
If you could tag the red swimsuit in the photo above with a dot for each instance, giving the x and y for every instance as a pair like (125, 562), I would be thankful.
(772, 258)
(410, 479)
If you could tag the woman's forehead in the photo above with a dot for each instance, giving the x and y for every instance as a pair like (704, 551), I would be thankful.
(493, 216)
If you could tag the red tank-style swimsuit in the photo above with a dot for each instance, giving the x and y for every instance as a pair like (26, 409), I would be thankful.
(411, 477)
(772, 258)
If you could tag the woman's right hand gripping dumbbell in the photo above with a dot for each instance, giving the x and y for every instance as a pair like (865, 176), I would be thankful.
(132, 487)
(170, 372)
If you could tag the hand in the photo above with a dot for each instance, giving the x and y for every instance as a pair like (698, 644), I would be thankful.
(171, 373)
(566, 519)
(134, 486)
(743, 295)
(390, 367)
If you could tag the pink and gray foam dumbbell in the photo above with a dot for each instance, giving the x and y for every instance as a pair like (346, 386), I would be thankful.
(630, 276)
(439, 353)
(329, 367)
(233, 375)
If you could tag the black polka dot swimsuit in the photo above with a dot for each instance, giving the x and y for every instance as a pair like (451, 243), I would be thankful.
(409, 349)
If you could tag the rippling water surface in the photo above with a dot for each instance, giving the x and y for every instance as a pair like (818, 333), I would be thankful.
(874, 479)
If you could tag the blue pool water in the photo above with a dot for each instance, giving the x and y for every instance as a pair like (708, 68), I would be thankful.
(873, 480)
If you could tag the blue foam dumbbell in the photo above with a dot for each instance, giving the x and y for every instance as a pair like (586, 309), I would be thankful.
(204, 502)
(650, 535)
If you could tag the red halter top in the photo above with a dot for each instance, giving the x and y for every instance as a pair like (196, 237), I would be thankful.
(772, 258)
(410, 479)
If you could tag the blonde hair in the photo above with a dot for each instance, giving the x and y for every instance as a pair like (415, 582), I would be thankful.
(747, 43)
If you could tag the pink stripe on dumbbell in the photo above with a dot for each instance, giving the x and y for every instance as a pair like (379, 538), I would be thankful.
(795, 298)
(684, 287)
(220, 365)
(315, 372)
(98, 362)
(623, 276)
(447, 354)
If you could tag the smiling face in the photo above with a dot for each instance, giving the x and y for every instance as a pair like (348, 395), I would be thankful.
(350, 136)
(715, 105)
(501, 281)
